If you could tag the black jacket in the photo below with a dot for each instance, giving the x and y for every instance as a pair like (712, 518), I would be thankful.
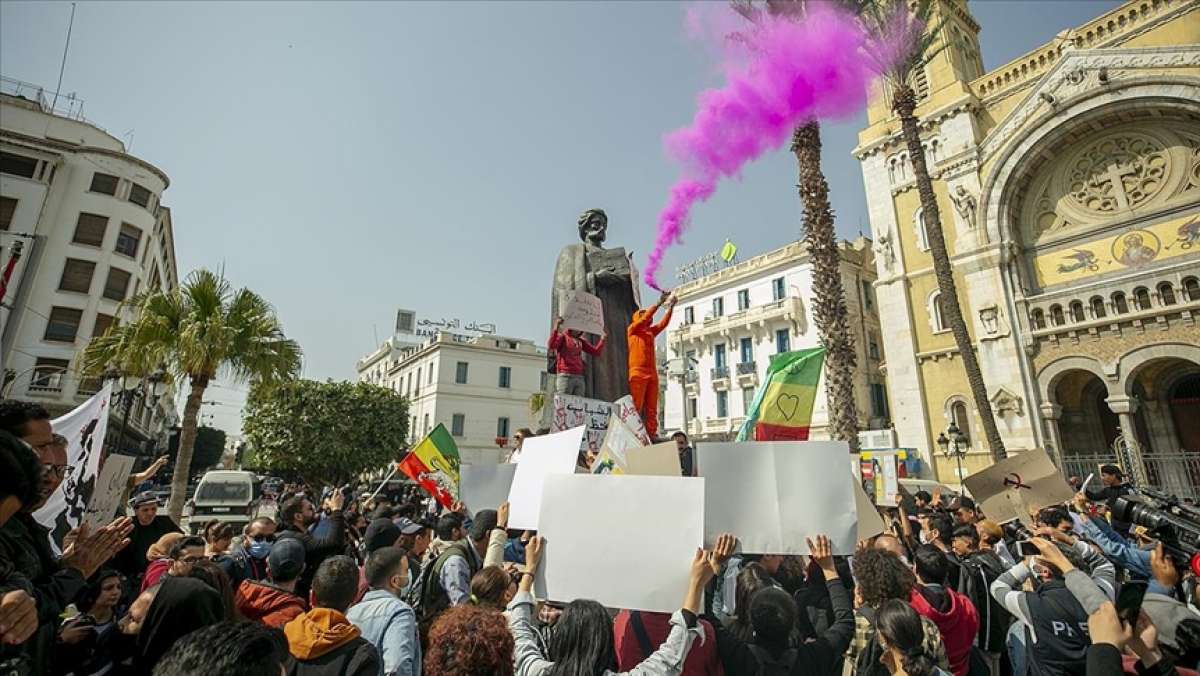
(131, 561)
(317, 550)
(1061, 626)
(978, 571)
(356, 658)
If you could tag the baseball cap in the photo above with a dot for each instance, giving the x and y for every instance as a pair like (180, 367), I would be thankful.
(286, 560)
(144, 498)
(380, 533)
(408, 527)
(484, 523)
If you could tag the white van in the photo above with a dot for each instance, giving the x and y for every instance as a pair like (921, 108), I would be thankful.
(224, 495)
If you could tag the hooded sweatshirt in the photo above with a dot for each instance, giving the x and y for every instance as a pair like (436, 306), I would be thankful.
(323, 642)
(264, 602)
(182, 605)
(956, 619)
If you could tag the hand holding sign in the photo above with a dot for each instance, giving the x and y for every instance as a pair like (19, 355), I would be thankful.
(583, 312)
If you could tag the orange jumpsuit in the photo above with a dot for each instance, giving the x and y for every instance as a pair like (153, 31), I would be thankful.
(643, 369)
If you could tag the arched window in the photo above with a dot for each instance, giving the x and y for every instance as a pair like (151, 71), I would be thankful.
(1097, 304)
(937, 314)
(922, 230)
(1191, 289)
(1077, 311)
(1038, 318)
(1120, 306)
(1166, 293)
(1141, 298)
(1056, 315)
(962, 419)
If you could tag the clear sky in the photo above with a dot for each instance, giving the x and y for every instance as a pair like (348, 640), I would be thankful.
(348, 159)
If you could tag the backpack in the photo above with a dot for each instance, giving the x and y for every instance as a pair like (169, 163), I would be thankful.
(979, 572)
(431, 599)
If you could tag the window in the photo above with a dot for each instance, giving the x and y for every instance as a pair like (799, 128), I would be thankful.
(693, 407)
(1076, 311)
(48, 374)
(777, 289)
(1166, 294)
(872, 346)
(412, 428)
(1141, 297)
(743, 299)
(783, 341)
(104, 183)
(1056, 315)
(103, 321)
(719, 355)
(426, 425)
(1191, 289)
(63, 324)
(89, 229)
(718, 307)
(722, 404)
(116, 285)
(746, 348)
(430, 380)
(505, 378)
(17, 165)
(1038, 318)
(1120, 305)
(8, 207)
(408, 389)
(460, 373)
(920, 84)
(139, 195)
(1097, 304)
(878, 401)
(502, 427)
(128, 240)
(155, 278)
(77, 276)
(937, 312)
(457, 422)
(747, 399)
(868, 296)
(689, 315)
(922, 230)
(958, 413)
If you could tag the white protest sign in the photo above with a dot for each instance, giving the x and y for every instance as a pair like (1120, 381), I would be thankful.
(870, 523)
(582, 311)
(887, 484)
(84, 429)
(1010, 488)
(110, 488)
(654, 460)
(485, 486)
(775, 494)
(583, 519)
(540, 457)
(569, 411)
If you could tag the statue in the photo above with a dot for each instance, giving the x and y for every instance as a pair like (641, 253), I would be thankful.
(608, 274)
(965, 205)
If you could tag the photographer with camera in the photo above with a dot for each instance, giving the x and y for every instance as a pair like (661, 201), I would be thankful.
(296, 516)
(1117, 548)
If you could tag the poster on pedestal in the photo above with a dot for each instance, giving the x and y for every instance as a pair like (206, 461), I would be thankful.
(568, 411)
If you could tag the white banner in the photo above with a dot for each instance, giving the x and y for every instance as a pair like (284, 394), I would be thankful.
(582, 311)
(110, 488)
(485, 486)
(84, 429)
(540, 457)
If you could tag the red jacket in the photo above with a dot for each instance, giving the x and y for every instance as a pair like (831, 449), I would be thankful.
(956, 619)
(701, 660)
(569, 351)
(155, 572)
(270, 605)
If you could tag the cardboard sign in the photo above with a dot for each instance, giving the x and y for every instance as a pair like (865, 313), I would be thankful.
(1010, 488)
(540, 457)
(655, 460)
(613, 457)
(485, 486)
(775, 494)
(110, 488)
(568, 412)
(887, 484)
(582, 311)
(585, 518)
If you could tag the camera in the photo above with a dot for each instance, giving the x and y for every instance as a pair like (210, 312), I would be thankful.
(1168, 519)
(1015, 530)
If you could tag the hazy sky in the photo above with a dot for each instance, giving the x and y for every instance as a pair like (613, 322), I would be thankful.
(345, 160)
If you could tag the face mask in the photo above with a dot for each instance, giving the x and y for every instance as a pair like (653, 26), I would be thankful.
(260, 550)
(924, 537)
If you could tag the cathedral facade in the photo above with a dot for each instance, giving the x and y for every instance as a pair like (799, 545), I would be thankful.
(1069, 186)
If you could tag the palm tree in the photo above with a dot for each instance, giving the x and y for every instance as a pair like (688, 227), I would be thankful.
(830, 313)
(905, 41)
(200, 330)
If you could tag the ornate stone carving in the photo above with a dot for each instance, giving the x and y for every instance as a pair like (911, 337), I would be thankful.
(884, 249)
(1006, 403)
(1117, 173)
(989, 317)
(965, 204)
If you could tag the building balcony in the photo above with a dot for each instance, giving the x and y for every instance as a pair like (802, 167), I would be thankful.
(691, 377)
(747, 373)
(720, 377)
(787, 309)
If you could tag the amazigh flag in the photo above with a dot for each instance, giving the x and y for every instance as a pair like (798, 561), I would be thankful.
(782, 409)
(434, 465)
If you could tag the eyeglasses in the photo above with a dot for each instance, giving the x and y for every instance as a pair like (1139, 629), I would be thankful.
(59, 471)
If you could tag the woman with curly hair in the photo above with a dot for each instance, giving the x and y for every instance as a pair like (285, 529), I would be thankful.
(901, 634)
(881, 576)
(470, 641)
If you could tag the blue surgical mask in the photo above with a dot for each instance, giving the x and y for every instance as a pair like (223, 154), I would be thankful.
(260, 550)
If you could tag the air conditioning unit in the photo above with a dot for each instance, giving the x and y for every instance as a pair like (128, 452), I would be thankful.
(877, 440)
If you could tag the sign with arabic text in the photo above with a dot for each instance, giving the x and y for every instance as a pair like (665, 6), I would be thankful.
(582, 311)
(570, 411)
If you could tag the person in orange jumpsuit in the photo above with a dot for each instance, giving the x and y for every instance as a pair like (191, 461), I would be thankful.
(643, 369)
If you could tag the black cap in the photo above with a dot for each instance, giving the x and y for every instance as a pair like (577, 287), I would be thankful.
(381, 533)
(408, 526)
(143, 498)
(286, 560)
(484, 523)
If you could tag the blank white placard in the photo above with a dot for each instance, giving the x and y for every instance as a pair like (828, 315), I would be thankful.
(625, 541)
(540, 456)
(485, 486)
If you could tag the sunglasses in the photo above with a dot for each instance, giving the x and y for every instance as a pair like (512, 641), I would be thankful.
(57, 470)
(263, 538)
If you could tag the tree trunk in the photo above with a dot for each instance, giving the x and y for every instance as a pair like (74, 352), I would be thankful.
(829, 305)
(187, 442)
(904, 104)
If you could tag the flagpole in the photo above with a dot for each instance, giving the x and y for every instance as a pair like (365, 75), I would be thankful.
(395, 467)
(63, 67)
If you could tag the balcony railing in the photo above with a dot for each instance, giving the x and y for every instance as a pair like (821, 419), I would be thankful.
(691, 377)
(747, 368)
(720, 372)
(787, 308)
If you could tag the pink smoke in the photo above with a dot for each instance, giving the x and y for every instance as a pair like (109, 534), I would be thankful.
(780, 73)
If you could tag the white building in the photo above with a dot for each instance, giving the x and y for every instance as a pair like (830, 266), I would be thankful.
(729, 323)
(85, 222)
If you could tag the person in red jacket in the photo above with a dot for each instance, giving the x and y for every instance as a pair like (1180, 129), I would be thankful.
(637, 634)
(643, 368)
(953, 613)
(568, 347)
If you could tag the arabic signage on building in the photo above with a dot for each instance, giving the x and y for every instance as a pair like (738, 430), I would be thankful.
(431, 327)
(708, 263)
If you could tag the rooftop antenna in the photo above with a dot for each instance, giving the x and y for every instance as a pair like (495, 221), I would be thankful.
(63, 67)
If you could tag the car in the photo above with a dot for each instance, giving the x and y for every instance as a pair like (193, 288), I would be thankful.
(224, 495)
(911, 486)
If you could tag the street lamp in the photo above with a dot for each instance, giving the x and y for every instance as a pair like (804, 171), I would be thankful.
(129, 387)
(954, 445)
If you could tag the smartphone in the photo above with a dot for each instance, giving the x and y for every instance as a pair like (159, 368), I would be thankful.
(1027, 548)
(1129, 601)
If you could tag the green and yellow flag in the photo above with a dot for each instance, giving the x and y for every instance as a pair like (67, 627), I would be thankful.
(434, 464)
(782, 409)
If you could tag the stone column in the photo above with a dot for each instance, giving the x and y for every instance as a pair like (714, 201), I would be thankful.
(1125, 406)
(1051, 413)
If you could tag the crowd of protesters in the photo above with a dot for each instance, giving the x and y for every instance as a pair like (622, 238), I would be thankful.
(397, 585)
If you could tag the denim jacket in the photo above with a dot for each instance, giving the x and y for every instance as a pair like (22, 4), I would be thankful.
(390, 625)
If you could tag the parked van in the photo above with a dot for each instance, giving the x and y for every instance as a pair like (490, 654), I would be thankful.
(224, 495)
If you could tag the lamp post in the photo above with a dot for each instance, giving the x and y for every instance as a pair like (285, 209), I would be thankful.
(954, 444)
(130, 387)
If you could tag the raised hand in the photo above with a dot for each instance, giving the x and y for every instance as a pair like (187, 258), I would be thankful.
(92, 550)
(502, 516)
(720, 553)
(1104, 626)
(821, 552)
(18, 617)
(533, 553)
(1053, 555)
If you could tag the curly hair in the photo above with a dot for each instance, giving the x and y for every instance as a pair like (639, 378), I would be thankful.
(881, 575)
(470, 641)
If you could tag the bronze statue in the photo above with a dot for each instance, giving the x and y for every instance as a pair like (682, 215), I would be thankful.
(608, 274)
